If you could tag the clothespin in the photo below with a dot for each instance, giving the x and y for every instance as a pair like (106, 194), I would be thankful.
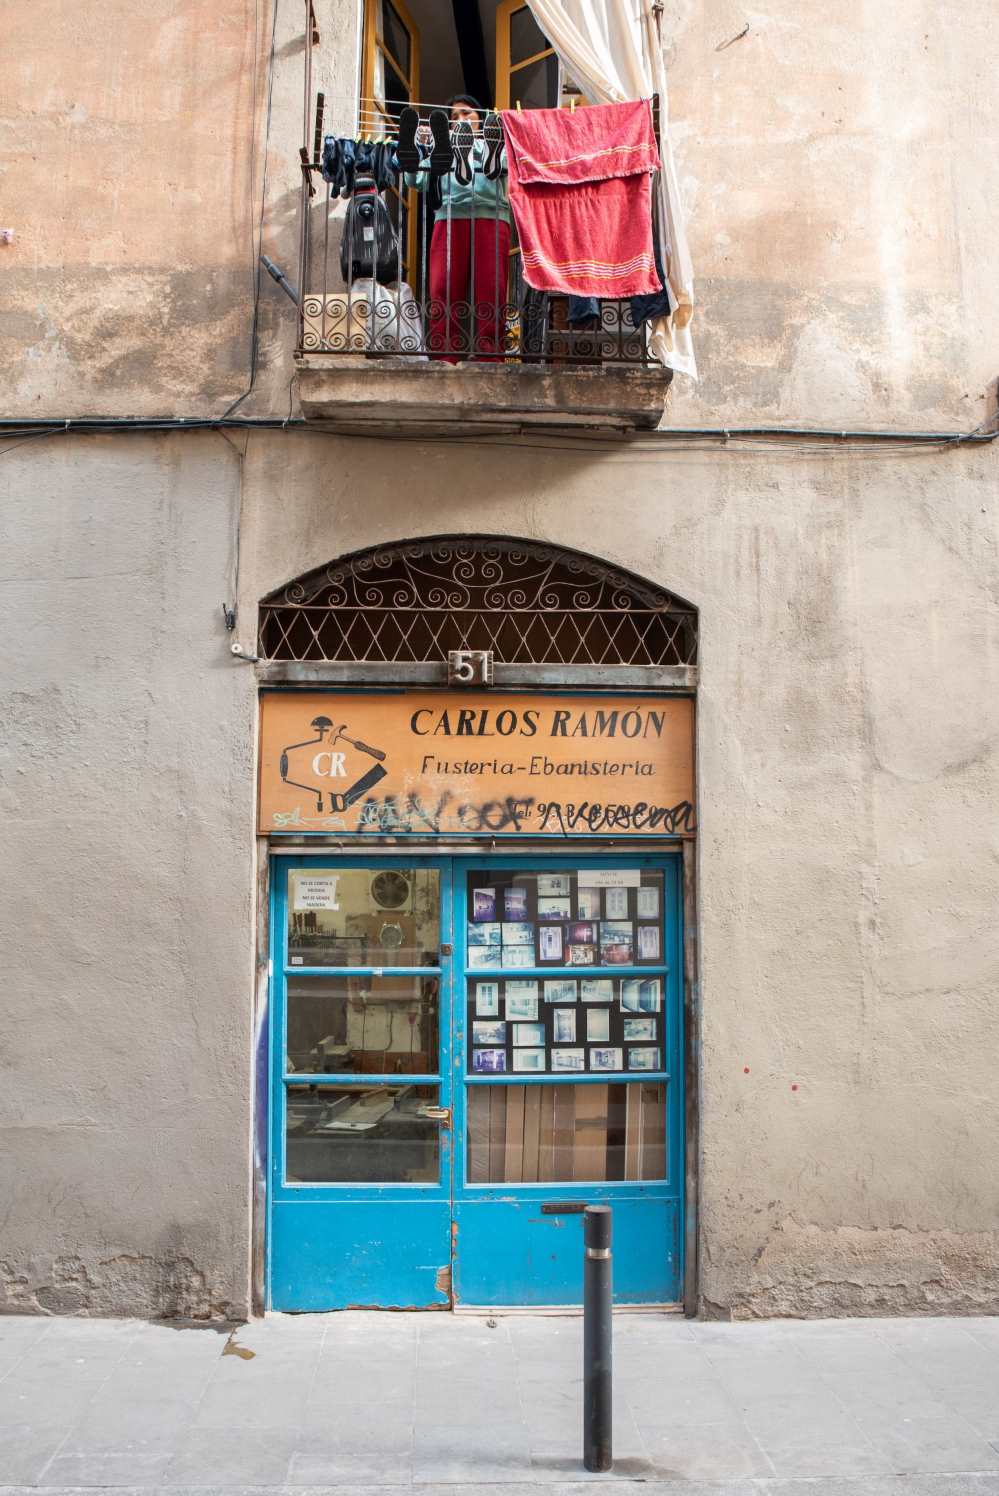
(519, 110)
(572, 104)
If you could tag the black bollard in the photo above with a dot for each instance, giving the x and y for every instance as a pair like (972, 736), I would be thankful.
(597, 1353)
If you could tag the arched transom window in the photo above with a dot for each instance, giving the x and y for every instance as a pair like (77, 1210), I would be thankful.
(547, 615)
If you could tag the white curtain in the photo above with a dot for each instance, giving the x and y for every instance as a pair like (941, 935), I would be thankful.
(611, 49)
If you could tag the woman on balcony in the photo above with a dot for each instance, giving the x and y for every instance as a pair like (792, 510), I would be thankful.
(470, 243)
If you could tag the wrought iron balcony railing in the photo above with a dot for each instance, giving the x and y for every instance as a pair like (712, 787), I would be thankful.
(388, 273)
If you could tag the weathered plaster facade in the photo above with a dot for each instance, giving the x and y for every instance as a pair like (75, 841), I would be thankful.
(835, 167)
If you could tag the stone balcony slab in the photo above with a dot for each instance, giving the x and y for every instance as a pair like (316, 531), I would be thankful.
(366, 394)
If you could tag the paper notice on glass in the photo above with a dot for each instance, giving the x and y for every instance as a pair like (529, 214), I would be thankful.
(316, 893)
(609, 877)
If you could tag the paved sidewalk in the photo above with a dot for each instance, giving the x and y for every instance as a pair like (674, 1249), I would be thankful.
(357, 1401)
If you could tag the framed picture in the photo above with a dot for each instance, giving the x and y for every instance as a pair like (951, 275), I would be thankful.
(518, 955)
(487, 999)
(487, 934)
(648, 942)
(598, 1025)
(484, 1032)
(550, 942)
(521, 1005)
(559, 908)
(647, 905)
(643, 1059)
(582, 955)
(480, 956)
(550, 884)
(489, 1061)
(588, 903)
(639, 1028)
(565, 1025)
(483, 903)
(616, 947)
(560, 991)
(521, 989)
(605, 1059)
(515, 902)
(616, 903)
(582, 932)
(518, 933)
(596, 990)
(640, 995)
(568, 1059)
(529, 1059)
(528, 1035)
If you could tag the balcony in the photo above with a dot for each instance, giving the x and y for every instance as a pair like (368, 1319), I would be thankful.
(433, 342)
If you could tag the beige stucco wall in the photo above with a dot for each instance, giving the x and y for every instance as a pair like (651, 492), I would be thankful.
(126, 782)
(831, 161)
(848, 773)
(842, 236)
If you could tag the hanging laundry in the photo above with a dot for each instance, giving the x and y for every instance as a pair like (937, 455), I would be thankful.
(344, 160)
(580, 190)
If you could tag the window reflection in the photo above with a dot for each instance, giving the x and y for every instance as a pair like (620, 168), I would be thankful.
(366, 1024)
(361, 1135)
(363, 916)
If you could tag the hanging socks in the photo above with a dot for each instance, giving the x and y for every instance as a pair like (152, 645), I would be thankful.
(441, 157)
(463, 139)
(409, 155)
(492, 135)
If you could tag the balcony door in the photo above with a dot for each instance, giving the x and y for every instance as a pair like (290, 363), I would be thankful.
(464, 1053)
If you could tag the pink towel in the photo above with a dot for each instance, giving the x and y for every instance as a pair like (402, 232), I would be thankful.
(580, 190)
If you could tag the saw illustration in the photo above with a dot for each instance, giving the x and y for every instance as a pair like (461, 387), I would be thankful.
(327, 735)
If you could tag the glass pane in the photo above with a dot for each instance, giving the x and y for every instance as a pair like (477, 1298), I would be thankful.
(361, 1135)
(569, 1134)
(395, 36)
(366, 1024)
(565, 919)
(542, 1025)
(526, 37)
(396, 94)
(536, 85)
(363, 916)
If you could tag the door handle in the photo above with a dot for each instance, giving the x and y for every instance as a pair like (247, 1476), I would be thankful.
(438, 1114)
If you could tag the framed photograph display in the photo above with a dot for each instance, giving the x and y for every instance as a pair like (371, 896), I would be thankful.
(531, 1060)
(647, 901)
(483, 903)
(550, 943)
(515, 903)
(487, 999)
(649, 947)
(598, 1025)
(564, 1025)
(489, 1061)
(487, 1031)
(616, 903)
(524, 1006)
(590, 1014)
(568, 1059)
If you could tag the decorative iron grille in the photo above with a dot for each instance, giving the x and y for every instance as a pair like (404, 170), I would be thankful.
(528, 604)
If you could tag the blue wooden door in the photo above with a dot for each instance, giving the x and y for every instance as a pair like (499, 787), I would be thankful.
(361, 1092)
(465, 1053)
(573, 1090)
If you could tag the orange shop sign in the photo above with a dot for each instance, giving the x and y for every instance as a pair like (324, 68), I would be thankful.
(452, 762)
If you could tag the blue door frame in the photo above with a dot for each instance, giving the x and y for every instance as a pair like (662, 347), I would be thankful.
(333, 1246)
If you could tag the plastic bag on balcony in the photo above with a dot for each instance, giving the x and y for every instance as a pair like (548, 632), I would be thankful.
(368, 318)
